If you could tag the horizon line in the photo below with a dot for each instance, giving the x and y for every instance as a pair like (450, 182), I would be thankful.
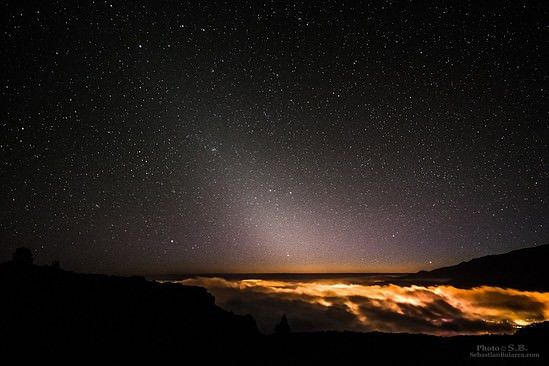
(275, 273)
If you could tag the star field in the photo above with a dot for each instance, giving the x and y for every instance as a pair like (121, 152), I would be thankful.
(199, 136)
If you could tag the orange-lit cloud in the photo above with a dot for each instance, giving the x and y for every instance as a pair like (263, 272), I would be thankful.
(316, 305)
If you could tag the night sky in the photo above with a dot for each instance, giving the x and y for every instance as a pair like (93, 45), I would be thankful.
(249, 136)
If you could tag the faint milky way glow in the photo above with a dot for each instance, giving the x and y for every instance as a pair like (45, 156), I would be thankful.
(257, 136)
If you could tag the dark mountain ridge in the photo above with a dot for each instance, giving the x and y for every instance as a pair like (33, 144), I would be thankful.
(524, 269)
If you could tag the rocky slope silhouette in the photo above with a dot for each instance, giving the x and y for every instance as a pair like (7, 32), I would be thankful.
(524, 269)
(57, 309)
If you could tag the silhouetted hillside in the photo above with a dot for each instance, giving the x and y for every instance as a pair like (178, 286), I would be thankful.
(53, 308)
(74, 317)
(525, 269)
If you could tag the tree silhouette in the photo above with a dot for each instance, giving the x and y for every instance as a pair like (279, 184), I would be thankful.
(23, 256)
(283, 327)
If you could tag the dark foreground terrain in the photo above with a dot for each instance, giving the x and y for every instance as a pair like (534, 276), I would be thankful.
(524, 269)
(48, 312)
(53, 309)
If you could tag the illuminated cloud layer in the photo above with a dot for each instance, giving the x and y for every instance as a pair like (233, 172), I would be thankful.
(345, 305)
